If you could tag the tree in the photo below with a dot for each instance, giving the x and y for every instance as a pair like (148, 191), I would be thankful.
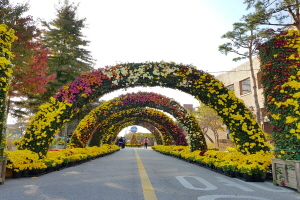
(247, 37)
(208, 119)
(274, 12)
(128, 136)
(63, 36)
(29, 76)
(133, 140)
(140, 137)
(30, 82)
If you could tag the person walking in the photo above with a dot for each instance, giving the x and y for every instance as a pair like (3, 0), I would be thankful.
(124, 142)
(120, 142)
(146, 142)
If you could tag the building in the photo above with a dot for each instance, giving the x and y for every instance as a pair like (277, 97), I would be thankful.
(239, 79)
(189, 107)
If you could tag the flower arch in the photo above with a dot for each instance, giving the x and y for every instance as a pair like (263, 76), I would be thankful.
(280, 70)
(148, 124)
(161, 133)
(169, 125)
(7, 37)
(141, 99)
(246, 134)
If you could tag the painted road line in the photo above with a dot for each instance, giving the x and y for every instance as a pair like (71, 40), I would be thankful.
(147, 188)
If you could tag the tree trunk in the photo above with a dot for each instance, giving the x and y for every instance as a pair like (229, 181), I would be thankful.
(255, 96)
(216, 137)
(205, 133)
(4, 127)
(211, 140)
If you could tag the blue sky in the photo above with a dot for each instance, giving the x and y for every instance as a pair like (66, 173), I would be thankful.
(182, 31)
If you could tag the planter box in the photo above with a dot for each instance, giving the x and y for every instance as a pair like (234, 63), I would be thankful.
(286, 173)
(2, 169)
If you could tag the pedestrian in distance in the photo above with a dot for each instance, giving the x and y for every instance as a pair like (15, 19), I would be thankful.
(120, 142)
(146, 142)
(124, 142)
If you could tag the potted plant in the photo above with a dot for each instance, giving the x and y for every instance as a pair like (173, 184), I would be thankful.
(21, 160)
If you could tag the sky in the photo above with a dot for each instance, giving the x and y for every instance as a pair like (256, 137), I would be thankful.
(181, 31)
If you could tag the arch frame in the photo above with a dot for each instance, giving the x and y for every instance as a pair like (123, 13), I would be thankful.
(245, 132)
(163, 131)
(156, 116)
(130, 122)
(141, 99)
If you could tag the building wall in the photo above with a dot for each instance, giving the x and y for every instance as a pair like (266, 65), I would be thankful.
(240, 73)
(234, 77)
(189, 107)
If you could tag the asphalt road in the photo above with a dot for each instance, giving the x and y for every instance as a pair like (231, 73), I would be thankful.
(123, 175)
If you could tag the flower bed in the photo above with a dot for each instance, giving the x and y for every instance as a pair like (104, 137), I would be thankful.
(24, 163)
(250, 167)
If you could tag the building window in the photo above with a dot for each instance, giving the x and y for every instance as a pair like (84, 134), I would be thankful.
(245, 86)
(230, 87)
(259, 80)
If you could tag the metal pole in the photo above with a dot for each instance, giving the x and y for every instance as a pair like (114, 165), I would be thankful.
(66, 135)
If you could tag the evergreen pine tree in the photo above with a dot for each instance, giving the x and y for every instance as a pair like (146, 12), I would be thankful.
(63, 36)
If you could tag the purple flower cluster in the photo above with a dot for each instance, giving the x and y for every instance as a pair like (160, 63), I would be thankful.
(81, 86)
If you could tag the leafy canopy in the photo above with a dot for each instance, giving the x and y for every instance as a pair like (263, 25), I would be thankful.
(273, 12)
(30, 76)
(64, 37)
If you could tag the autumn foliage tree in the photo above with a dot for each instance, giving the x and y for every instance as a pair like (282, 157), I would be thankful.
(208, 119)
(30, 70)
(133, 140)
(33, 78)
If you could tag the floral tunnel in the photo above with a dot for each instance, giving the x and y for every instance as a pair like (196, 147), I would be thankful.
(246, 134)
(146, 124)
(153, 127)
(172, 134)
(162, 134)
(168, 124)
(142, 99)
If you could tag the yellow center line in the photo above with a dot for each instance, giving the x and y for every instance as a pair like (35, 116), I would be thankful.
(148, 190)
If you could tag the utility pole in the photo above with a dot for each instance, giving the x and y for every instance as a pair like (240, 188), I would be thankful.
(66, 135)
